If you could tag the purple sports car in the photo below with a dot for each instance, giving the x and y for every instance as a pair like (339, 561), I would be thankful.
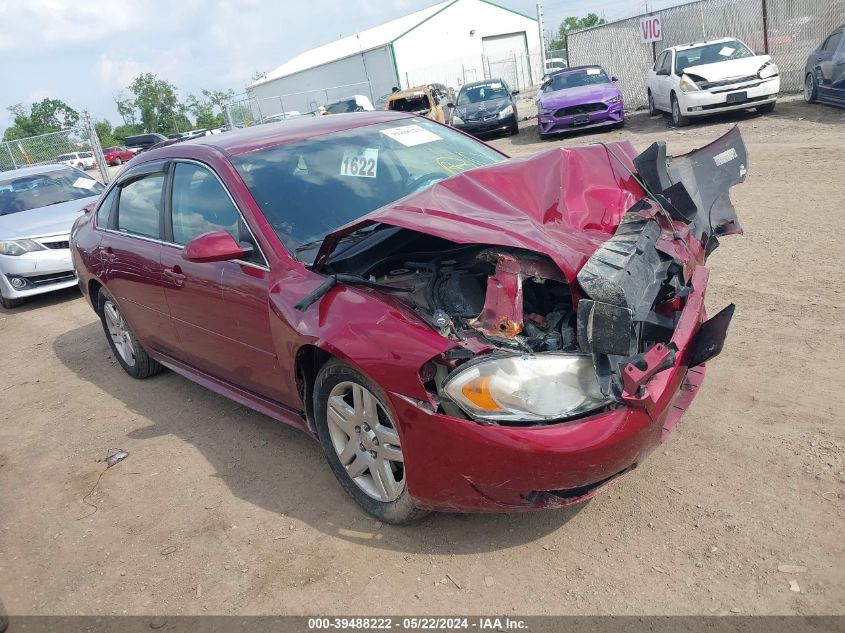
(577, 99)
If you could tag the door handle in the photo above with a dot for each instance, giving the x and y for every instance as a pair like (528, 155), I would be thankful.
(175, 275)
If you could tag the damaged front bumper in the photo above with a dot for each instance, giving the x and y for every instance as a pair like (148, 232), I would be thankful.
(470, 466)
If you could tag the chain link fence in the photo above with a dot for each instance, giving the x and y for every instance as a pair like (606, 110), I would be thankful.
(790, 29)
(254, 111)
(76, 147)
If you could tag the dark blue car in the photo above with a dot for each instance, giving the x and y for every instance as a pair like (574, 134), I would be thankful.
(824, 74)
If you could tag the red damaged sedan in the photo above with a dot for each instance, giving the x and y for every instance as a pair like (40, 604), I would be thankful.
(459, 330)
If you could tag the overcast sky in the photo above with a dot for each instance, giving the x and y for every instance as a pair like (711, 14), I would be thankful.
(84, 52)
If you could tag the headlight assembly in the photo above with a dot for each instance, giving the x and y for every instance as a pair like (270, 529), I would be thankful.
(768, 70)
(19, 247)
(457, 120)
(534, 387)
(687, 84)
(615, 99)
(506, 112)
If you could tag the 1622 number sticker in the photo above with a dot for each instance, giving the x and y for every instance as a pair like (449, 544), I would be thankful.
(362, 163)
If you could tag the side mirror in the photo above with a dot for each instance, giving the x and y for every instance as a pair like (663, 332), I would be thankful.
(514, 92)
(215, 246)
(614, 79)
(450, 105)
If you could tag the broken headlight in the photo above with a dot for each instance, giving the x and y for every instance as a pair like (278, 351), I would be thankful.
(768, 70)
(529, 388)
(687, 84)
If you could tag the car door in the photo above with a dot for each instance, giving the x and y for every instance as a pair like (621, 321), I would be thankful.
(220, 309)
(829, 68)
(130, 254)
(663, 81)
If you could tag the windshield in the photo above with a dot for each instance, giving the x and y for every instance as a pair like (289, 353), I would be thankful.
(576, 78)
(310, 188)
(33, 191)
(477, 94)
(349, 105)
(710, 54)
(410, 104)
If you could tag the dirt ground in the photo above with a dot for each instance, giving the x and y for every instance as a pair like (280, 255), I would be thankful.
(218, 509)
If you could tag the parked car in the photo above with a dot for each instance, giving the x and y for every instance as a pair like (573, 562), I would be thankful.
(355, 103)
(118, 155)
(553, 64)
(143, 142)
(80, 160)
(486, 107)
(711, 77)
(824, 73)
(453, 331)
(38, 206)
(579, 98)
(427, 101)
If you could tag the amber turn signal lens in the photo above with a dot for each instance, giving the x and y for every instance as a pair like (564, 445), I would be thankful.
(478, 392)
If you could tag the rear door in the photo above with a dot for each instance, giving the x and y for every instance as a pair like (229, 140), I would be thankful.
(130, 253)
(219, 309)
(663, 80)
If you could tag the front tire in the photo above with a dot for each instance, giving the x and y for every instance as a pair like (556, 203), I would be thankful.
(652, 110)
(123, 342)
(11, 303)
(118, 162)
(678, 119)
(811, 88)
(361, 443)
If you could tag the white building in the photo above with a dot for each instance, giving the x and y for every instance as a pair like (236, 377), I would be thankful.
(452, 43)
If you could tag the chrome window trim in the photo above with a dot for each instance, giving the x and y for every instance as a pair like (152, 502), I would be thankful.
(265, 267)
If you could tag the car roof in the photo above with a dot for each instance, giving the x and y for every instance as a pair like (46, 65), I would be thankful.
(682, 47)
(484, 82)
(256, 137)
(31, 171)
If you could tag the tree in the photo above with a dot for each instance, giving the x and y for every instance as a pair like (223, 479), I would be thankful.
(48, 115)
(203, 107)
(573, 24)
(157, 102)
(105, 133)
(126, 108)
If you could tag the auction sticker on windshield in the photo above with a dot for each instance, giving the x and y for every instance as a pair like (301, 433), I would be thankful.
(84, 183)
(362, 163)
(410, 135)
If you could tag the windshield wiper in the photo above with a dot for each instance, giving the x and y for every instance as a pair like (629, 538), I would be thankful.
(341, 278)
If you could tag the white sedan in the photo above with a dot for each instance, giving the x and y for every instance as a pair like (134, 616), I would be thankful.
(710, 77)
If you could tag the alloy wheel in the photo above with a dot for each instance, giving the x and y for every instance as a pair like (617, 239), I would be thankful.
(808, 89)
(119, 332)
(366, 441)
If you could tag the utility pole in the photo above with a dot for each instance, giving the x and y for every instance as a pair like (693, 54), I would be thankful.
(542, 40)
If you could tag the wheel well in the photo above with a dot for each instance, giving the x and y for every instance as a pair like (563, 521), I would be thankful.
(309, 360)
(94, 290)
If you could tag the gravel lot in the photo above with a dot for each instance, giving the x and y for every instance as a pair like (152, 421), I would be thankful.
(220, 510)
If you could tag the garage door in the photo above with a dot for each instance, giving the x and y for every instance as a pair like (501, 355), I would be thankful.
(506, 57)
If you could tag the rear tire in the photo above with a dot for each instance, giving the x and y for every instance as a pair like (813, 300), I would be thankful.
(11, 303)
(811, 88)
(766, 108)
(360, 418)
(678, 119)
(123, 342)
(514, 130)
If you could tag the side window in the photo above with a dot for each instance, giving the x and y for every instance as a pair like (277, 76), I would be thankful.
(200, 204)
(659, 62)
(832, 42)
(104, 210)
(666, 64)
(140, 206)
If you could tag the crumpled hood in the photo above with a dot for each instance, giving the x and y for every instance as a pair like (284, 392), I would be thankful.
(582, 94)
(485, 108)
(564, 203)
(53, 220)
(729, 68)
